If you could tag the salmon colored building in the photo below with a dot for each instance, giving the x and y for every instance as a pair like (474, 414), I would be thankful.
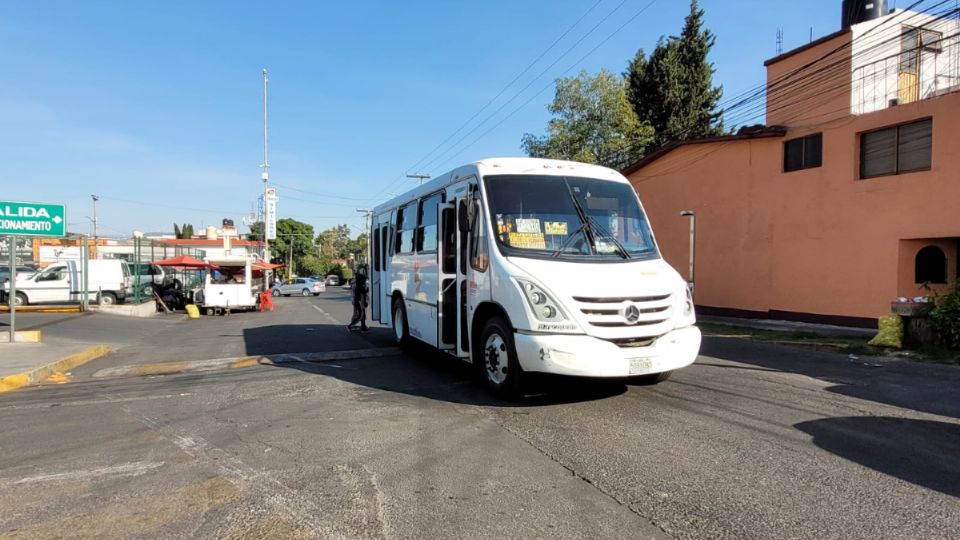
(847, 198)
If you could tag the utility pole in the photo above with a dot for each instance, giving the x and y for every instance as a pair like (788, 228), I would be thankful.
(265, 176)
(367, 214)
(95, 199)
(422, 177)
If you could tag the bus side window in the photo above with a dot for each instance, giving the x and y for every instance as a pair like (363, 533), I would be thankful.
(385, 241)
(479, 254)
(376, 249)
(406, 227)
(426, 236)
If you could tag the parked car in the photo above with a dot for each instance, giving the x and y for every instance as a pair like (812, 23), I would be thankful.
(151, 277)
(63, 283)
(301, 286)
(22, 271)
(333, 280)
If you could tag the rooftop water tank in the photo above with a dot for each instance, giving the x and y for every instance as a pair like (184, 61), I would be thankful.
(211, 233)
(858, 11)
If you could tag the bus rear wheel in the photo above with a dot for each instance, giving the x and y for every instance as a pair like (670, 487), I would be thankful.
(401, 330)
(496, 359)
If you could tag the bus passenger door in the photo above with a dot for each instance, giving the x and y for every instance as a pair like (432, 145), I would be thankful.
(375, 264)
(447, 298)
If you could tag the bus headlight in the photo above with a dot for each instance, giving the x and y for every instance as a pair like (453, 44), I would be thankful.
(685, 310)
(543, 307)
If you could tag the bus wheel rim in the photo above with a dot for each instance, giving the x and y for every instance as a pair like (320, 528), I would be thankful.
(496, 360)
(398, 323)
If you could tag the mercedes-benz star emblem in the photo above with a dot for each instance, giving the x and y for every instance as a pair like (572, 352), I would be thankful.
(631, 314)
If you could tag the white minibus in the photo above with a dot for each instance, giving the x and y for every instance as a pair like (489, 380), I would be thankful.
(525, 265)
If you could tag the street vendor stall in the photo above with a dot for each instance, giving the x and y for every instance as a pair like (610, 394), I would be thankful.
(170, 292)
(228, 286)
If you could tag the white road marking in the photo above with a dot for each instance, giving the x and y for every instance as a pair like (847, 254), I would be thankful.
(259, 484)
(78, 403)
(328, 316)
(213, 364)
(135, 468)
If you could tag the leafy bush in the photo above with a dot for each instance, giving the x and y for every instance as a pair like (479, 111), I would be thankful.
(946, 318)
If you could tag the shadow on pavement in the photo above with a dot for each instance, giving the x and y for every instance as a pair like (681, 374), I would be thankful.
(921, 452)
(418, 371)
(929, 388)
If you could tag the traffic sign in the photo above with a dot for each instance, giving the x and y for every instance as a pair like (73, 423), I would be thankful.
(32, 219)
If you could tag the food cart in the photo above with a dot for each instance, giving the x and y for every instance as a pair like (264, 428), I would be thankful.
(228, 285)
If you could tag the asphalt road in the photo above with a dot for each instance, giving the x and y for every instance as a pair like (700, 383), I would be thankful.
(753, 441)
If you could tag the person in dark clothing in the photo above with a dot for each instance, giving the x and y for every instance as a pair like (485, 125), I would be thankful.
(361, 299)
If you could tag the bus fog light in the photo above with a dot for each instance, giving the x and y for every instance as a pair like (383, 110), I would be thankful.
(549, 312)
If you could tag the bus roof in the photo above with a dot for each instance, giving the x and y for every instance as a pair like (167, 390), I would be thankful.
(503, 165)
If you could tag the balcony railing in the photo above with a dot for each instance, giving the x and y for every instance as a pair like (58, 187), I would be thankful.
(906, 77)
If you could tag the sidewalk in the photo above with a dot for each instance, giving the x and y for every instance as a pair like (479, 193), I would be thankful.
(69, 340)
(790, 326)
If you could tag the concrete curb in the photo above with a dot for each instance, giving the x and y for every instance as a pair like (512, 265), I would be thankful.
(42, 309)
(35, 375)
(22, 336)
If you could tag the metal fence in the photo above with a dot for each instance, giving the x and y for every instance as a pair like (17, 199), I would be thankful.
(147, 278)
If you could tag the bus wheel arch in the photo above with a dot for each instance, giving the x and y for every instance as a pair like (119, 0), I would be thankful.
(493, 348)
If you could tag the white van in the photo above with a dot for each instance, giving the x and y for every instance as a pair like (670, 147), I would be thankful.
(488, 263)
(62, 283)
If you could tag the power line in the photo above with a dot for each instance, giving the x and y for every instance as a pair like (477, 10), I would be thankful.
(552, 83)
(517, 94)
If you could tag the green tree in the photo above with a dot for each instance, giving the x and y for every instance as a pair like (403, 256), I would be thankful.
(312, 265)
(185, 232)
(256, 232)
(673, 90)
(335, 242)
(593, 123)
(358, 247)
(291, 234)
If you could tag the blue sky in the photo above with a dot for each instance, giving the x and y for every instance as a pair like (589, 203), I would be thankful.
(156, 107)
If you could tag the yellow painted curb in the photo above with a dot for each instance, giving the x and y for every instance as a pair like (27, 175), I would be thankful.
(42, 309)
(27, 336)
(27, 378)
(22, 336)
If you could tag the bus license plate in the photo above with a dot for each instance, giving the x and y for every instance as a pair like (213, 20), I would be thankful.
(640, 365)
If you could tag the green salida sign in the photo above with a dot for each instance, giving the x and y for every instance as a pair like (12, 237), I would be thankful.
(32, 219)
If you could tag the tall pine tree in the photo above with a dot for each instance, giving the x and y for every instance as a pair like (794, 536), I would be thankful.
(673, 88)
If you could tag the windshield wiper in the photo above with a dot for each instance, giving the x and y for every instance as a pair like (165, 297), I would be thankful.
(622, 251)
(579, 230)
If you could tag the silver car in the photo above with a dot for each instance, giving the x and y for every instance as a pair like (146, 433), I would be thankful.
(299, 286)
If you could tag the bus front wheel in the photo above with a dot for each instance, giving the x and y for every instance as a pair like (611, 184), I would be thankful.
(401, 330)
(498, 360)
(649, 380)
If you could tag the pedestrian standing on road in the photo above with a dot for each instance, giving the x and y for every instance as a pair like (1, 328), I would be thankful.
(361, 298)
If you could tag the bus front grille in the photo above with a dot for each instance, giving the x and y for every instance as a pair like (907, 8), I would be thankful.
(625, 311)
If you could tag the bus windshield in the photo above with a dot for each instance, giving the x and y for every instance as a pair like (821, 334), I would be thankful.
(567, 217)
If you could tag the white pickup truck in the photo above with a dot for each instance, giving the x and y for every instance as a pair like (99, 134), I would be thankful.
(62, 283)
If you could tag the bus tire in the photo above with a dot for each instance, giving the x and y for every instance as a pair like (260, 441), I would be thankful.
(649, 380)
(401, 329)
(498, 364)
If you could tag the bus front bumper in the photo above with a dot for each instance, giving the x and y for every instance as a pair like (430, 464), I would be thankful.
(586, 356)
